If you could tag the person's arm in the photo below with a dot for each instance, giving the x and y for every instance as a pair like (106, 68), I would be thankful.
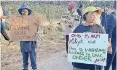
(5, 35)
(76, 16)
(5, 14)
(109, 30)
(102, 30)
(110, 27)
(109, 40)
(3, 32)
(75, 20)
(79, 12)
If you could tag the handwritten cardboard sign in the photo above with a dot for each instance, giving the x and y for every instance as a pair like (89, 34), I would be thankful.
(88, 48)
(23, 28)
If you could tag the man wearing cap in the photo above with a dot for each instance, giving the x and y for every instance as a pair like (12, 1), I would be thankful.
(28, 48)
(89, 25)
(111, 30)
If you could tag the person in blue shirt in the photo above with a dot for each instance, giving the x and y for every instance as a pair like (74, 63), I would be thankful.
(111, 30)
(28, 48)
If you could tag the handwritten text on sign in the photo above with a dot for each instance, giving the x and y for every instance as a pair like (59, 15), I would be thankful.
(88, 48)
(23, 28)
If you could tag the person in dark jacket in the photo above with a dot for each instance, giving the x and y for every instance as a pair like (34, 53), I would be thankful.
(111, 30)
(3, 16)
(79, 11)
(28, 48)
(104, 16)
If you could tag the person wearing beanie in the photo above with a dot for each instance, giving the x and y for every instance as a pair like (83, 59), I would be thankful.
(70, 21)
(89, 25)
(28, 48)
(111, 30)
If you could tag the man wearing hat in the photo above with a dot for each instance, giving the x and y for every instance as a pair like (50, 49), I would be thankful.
(91, 25)
(111, 30)
(28, 48)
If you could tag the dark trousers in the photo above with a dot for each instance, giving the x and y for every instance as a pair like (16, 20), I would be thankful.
(67, 39)
(95, 67)
(111, 58)
(3, 32)
(32, 55)
(114, 63)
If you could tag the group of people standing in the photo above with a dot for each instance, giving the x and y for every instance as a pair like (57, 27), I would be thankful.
(76, 21)
(94, 20)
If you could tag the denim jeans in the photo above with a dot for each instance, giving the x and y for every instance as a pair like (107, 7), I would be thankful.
(32, 55)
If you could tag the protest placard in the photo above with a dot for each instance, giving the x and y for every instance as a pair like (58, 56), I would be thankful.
(23, 28)
(88, 48)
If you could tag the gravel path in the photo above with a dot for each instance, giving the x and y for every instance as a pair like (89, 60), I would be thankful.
(56, 61)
